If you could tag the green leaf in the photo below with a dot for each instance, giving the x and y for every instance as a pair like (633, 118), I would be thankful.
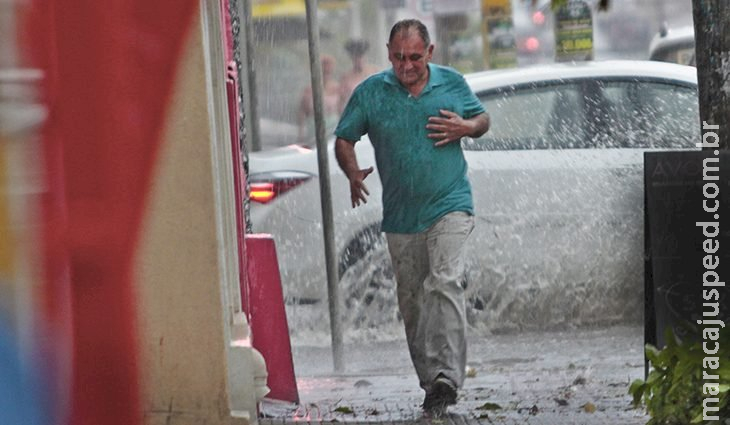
(669, 338)
(652, 353)
(637, 389)
(489, 406)
(346, 410)
(697, 419)
(670, 392)
(655, 376)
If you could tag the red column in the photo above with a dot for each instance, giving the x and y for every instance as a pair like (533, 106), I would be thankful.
(109, 71)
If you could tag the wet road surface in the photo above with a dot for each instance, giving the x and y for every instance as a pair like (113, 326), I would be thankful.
(566, 377)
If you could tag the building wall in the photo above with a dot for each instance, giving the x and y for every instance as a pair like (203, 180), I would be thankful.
(183, 337)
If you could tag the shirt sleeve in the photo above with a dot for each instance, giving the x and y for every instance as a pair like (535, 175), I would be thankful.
(472, 105)
(353, 122)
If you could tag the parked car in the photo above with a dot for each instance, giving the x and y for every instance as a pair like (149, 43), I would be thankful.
(558, 191)
(675, 45)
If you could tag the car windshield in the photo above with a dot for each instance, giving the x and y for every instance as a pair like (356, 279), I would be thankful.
(590, 113)
(683, 54)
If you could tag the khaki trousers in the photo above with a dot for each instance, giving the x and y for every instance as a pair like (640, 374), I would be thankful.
(429, 273)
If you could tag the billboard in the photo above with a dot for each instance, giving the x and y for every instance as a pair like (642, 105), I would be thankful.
(289, 8)
(573, 32)
(498, 35)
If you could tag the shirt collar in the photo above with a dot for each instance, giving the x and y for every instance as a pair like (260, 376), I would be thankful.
(435, 78)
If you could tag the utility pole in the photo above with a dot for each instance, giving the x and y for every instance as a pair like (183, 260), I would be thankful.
(325, 187)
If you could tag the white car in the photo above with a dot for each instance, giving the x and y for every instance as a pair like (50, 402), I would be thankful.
(675, 45)
(558, 191)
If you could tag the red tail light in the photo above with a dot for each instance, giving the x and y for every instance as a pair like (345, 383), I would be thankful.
(262, 192)
(267, 187)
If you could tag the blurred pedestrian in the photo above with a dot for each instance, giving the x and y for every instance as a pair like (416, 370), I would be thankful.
(330, 100)
(356, 49)
(415, 115)
(22, 400)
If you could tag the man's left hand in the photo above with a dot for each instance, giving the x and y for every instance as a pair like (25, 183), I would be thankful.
(448, 128)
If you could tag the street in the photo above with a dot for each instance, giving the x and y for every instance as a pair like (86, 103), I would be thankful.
(566, 377)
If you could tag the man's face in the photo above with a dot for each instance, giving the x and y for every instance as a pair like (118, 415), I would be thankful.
(410, 57)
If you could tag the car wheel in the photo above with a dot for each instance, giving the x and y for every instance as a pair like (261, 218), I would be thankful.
(368, 288)
(367, 285)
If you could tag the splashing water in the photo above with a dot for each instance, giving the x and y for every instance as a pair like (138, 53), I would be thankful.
(545, 292)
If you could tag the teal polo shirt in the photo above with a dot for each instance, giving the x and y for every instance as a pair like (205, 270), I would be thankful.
(421, 182)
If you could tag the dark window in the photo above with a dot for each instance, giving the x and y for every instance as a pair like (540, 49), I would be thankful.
(591, 114)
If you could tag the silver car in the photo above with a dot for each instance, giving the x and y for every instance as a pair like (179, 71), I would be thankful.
(558, 191)
(675, 45)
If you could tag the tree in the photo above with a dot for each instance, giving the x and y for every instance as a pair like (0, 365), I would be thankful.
(712, 53)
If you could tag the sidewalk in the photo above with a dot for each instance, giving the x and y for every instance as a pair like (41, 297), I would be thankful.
(562, 378)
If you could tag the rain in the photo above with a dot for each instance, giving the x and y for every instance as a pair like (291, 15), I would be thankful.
(146, 169)
(558, 250)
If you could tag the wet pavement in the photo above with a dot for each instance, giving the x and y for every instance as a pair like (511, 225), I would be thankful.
(567, 377)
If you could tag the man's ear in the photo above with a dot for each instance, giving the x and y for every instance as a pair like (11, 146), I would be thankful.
(430, 51)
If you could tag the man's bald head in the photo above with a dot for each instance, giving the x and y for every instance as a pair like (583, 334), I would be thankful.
(408, 25)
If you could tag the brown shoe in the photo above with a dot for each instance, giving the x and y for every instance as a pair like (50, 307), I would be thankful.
(441, 395)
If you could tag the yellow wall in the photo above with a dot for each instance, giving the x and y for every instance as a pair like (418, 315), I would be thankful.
(181, 316)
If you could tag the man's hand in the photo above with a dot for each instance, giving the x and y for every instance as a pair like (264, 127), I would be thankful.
(345, 154)
(358, 190)
(451, 127)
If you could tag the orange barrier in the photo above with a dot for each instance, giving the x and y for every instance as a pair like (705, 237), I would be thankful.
(267, 317)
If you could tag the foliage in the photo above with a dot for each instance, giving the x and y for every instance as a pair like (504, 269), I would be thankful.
(345, 409)
(673, 391)
(489, 406)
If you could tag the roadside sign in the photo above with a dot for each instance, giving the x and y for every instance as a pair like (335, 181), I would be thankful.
(498, 35)
(495, 7)
(676, 225)
(573, 32)
(277, 8)
(289, 8)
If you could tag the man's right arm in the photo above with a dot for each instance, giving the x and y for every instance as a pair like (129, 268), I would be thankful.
(346, 158)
